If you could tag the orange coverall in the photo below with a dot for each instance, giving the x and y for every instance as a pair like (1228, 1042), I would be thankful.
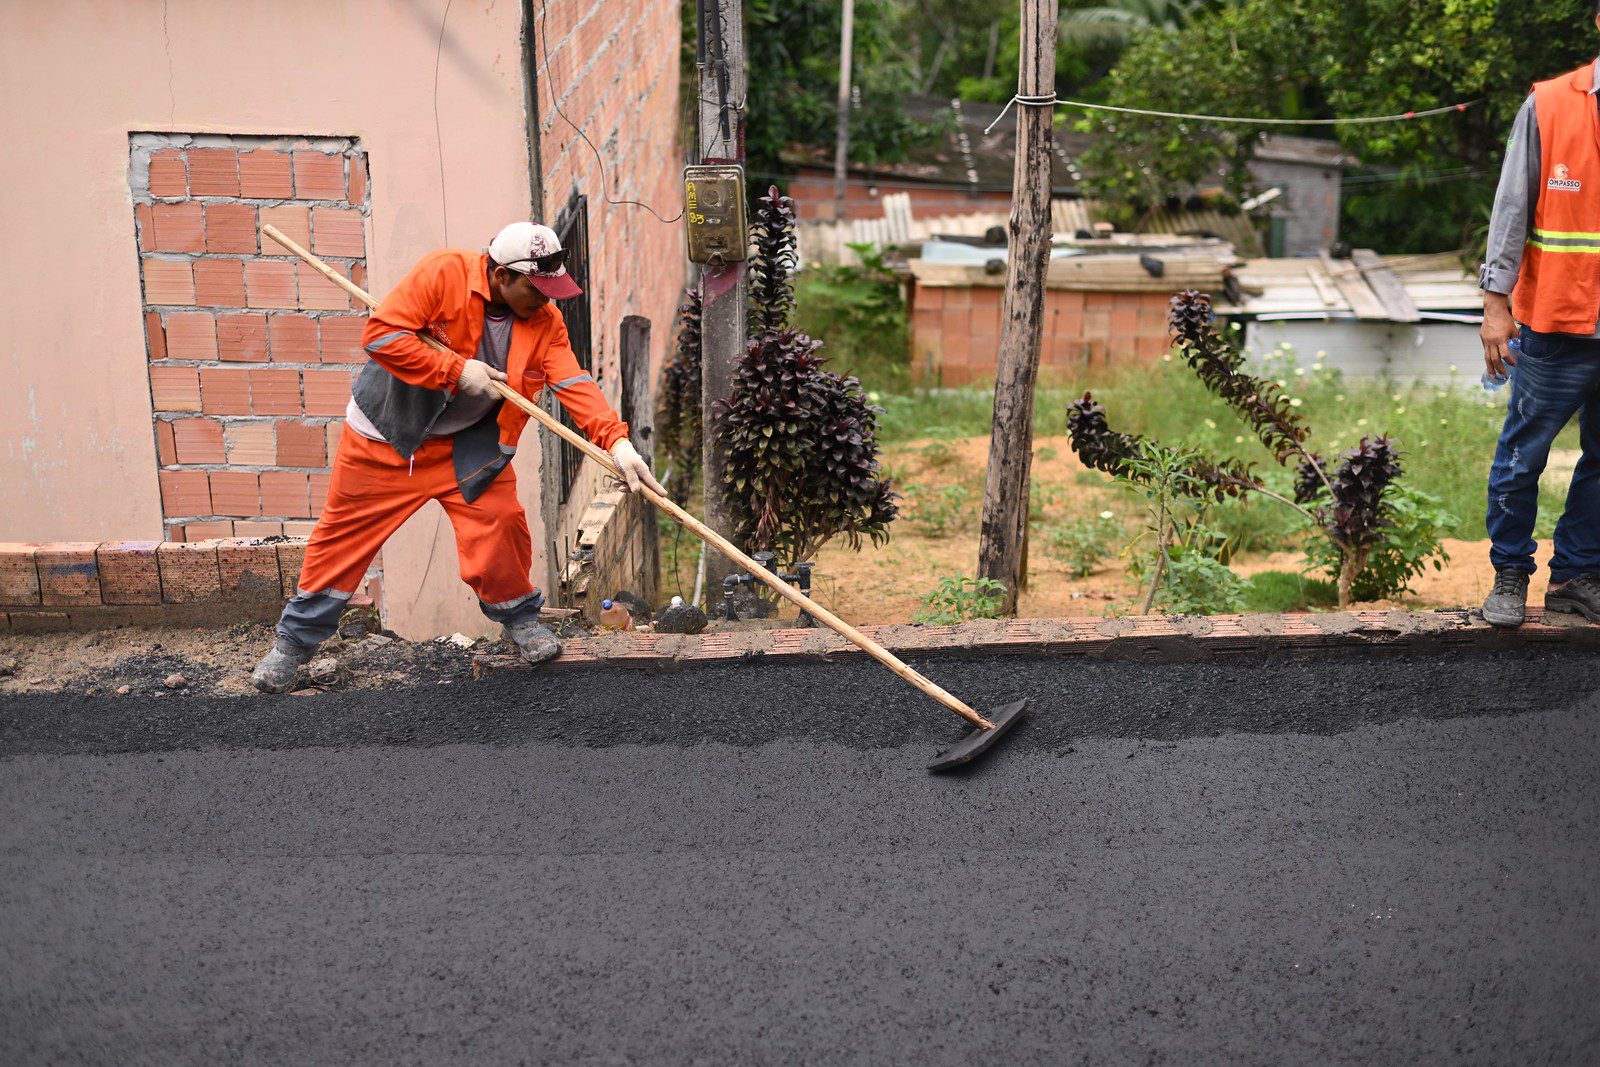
(375, 487)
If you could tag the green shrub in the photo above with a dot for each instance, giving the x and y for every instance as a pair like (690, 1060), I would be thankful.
(935, 512)
(1081, 544)
(937, 454)
(956, 600)
(1404, 548)
(859, 312)
(1194, 581)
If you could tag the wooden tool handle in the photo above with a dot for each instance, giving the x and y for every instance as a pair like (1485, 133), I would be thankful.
(700, 529)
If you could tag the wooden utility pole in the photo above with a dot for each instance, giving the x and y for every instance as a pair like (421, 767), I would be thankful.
(841, 155)
(1002, 539)
(719, 52)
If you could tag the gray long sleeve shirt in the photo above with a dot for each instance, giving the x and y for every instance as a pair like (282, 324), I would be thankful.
(1514, 202)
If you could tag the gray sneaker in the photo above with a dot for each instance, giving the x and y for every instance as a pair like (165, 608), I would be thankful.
(1507, 603)
(535, 640)
(1581, 595)
(278, 669)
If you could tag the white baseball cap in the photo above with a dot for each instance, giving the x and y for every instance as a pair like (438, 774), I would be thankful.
(536, 251)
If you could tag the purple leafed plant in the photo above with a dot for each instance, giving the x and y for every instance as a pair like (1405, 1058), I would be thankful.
(1349, 507)
(678, 422)
(801, 442)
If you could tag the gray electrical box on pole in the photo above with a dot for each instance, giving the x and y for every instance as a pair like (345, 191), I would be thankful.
(719, 55)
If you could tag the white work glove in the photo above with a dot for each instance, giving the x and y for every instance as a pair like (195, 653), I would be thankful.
(635, 471)
(478, 378)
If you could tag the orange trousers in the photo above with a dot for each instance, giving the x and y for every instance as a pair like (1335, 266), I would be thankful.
(372, 492)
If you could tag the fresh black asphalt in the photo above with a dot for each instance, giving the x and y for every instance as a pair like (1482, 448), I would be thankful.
(1362, 858)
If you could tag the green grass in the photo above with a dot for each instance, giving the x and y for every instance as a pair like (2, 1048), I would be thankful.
(1282, 591)
(1447, 435)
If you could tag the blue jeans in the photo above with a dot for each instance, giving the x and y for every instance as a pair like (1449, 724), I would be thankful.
(1557, 376)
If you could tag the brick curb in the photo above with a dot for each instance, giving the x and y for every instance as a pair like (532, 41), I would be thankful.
(1143, 639)
(102, 580)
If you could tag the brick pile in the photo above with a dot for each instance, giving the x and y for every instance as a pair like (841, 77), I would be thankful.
(251, 352)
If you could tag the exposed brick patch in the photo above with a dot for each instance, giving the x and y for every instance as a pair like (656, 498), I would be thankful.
(266, 174)
(217, 295)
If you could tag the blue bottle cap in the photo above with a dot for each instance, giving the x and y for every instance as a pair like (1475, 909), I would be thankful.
(605, 604)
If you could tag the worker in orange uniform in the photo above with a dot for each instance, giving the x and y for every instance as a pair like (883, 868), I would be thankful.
(427, 425)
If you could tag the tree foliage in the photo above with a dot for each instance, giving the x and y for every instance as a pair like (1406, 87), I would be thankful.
(1428, 179)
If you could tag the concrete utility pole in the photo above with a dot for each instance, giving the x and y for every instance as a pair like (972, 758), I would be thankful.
(1002, 540)
(719, 53)
(841, 155)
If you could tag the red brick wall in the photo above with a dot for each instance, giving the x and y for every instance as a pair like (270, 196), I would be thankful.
(251, 352)
(612, 67)
(955, 331)
(813, 191)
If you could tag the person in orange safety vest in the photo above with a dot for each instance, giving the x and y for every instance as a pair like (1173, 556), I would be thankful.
(1542, 270)
(426, 425)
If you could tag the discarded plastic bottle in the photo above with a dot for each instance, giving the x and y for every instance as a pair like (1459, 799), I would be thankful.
(614, 616)
(1493, 382)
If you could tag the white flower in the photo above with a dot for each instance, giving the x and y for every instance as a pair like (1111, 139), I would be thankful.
(1444, 422)
(1282, 384)
(1316, 366)
(1211, 424)
(1452, 368)
(1106, 515)
(1166, 357)
(1285, 345)
(1422, 444)
(1238, 440)
(1296, 402)
(1235, 326)
(1322, 353)
(1299, 372)
(1340, 398)
(872, 397)
(1361, 422)
(1395, 398)
(1400, 411)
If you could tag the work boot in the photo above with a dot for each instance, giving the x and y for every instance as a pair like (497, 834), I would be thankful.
(1581, 595)
(535, 640)
(278, 669)
(1507, 603)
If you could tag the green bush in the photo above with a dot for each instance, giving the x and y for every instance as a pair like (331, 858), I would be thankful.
(1194, 581)
(1081, 544)
(1404, 549)
(935, 512)
(859, 312)
(956, 600)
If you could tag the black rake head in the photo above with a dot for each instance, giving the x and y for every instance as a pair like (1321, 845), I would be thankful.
(979, 741)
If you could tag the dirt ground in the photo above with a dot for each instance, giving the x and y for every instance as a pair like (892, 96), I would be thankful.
(881, 585)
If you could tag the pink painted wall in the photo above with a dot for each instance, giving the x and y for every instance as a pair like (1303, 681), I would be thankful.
(77, 450)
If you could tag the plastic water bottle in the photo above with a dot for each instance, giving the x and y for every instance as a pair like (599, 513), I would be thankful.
(1493, 382)
(614, 616)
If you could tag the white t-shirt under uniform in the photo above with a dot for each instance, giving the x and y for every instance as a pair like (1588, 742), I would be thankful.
(461, 410)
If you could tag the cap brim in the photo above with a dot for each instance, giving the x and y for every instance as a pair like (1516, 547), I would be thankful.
(561, 287)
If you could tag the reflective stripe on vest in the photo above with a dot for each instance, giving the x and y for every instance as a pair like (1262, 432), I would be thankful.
(1558, 286)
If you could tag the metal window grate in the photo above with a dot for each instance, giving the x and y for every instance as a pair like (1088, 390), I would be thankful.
(572, 226)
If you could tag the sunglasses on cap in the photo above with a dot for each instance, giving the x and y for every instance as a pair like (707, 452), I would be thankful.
(551, 264)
